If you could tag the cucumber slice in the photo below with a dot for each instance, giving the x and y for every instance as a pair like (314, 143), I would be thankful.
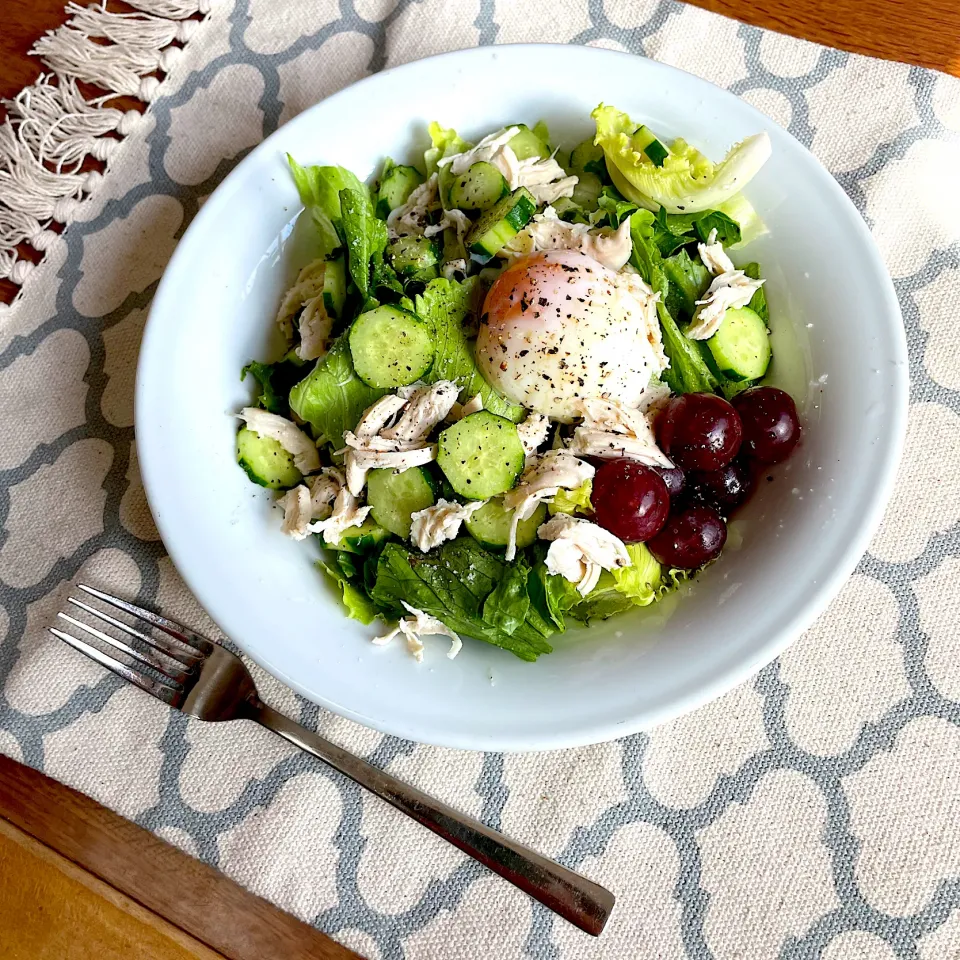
(645, 140)
(396, 185)
(361, 538)
(394, 497)
(587, 191)
(481, 455)
(265, 461)
(499, 225)
(741, 346)
(526, 143)
(335, 287)
(587, 157)
(479, 188)
(390, 347)
(490, 525)
(414, 258)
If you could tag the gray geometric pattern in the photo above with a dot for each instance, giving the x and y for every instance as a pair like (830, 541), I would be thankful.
(764, 825)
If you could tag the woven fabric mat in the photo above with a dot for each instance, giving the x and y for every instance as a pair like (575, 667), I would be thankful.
(812, 812)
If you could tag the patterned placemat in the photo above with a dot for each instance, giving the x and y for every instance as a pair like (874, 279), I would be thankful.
(810, 813)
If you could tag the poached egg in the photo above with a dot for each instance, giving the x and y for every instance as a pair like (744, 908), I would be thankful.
(558, 328)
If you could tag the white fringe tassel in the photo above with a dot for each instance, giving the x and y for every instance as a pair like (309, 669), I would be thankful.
(51, 128)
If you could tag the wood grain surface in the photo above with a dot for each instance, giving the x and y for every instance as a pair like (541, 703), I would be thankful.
(51, 909)
(923, 32)
(213, 912)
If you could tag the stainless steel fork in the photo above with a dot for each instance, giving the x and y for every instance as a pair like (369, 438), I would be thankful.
(202, 679)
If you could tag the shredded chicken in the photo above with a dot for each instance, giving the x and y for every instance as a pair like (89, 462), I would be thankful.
(346, 513)
(533, 432)
(487, 150)
(377, 416)
(544, 178)
(296, 512)
(726, 292)
(541, 481)
(714, 257)
(631, 281)
(376, 444)
(612, 248)
(546, 231)
(611, 430)
(452, 267)
(410, 219)
(417, 625)
(580, 550)
(307, 288)
(423, 410)
(441, 522)
(311, 501)
(360, 462)
(460, 410)
(287, 434)
(315, 329)
(451, 218)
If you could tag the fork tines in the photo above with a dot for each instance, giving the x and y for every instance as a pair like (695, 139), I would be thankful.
(169, 664)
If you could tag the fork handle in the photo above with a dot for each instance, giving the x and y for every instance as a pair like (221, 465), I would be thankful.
(575, 898)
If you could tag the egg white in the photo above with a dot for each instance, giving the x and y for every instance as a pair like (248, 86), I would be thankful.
(558, 328)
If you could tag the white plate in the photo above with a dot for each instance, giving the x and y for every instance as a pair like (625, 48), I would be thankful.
(801, 535)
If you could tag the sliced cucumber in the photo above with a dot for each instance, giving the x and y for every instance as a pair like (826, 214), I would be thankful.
(362, 537)
(394, 497)
(490, 525)
(390, 347)
(265, 461)
(414, 258)
(499, 225)
(741, 346)
(526, 143)
(335, 287)
(587, 191)
(645, 140)
(481, 455)
(396, 185)
(587, 157)
(479, 188)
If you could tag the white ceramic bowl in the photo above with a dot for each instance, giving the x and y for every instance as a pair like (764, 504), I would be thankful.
(836, 320)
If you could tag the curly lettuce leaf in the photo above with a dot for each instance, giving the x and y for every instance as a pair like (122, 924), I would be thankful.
(573, 501)
(447, 304)
(445, 142)
(686, 181)
(462, 584)
(319, 189)
(332, 398)
(618, 591)
(358, 605)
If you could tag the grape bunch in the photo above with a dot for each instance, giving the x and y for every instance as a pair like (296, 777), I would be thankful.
(717, 448)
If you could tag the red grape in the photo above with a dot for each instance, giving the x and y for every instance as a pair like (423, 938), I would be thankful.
(725, 488)
(699, 431)
(771, 427)
(690, 538)
(630, 499)
(674, 478)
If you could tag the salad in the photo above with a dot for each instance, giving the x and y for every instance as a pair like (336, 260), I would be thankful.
(521, 388)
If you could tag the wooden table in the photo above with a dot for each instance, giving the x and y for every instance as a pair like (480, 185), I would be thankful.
(81, 889)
